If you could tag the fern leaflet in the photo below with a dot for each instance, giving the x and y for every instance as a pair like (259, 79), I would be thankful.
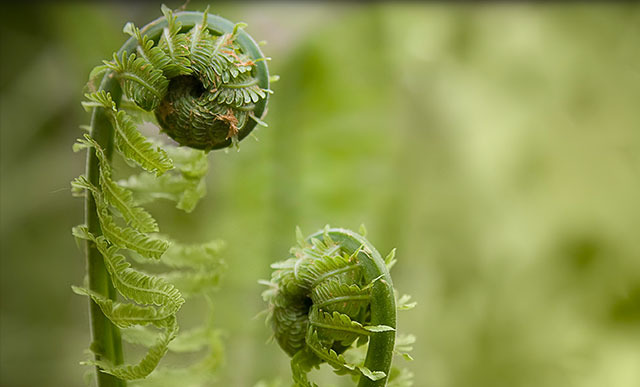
(140, 80)
(175, 45)
(133, 145)
(117, 196)
(148, 363)
(126, 315)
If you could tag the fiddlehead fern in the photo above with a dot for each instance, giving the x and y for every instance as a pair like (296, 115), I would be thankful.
(204, 81)
(334, 294)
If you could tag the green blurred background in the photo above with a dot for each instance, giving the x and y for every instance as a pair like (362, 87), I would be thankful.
(496, 146)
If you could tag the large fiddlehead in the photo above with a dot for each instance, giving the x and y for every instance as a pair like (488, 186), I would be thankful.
(205, 83)
(335, 294)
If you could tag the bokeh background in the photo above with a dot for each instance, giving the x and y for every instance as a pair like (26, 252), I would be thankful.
(497, 146)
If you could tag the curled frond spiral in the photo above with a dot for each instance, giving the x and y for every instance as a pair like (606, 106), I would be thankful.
(334, 294)
(204, 81)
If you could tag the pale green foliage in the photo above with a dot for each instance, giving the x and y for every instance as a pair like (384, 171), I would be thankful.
(398, 376)
(404, 345)
(148, 362)
(126, 315)
(404, 303)
(184, 184)
(301, 363)
(335, 360)
(194, 255)
(199, 374)
(197, 268)
(194, 282)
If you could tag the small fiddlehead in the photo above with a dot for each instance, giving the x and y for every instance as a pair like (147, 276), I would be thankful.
(205, 83)
(333, 294)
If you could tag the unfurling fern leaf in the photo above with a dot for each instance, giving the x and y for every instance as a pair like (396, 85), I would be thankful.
(244, 90)
(148, 363)
(126, 315)
(132, 284)
(336, 326)
(167, 72)
(349, 299)
(174, 44)
(198, 260)
(148, 50)
(207, 86)
(331, 297)
(142, 82)
(202, 48)
(184, 184)
(129, 141)
(124, 237)
(118, 196)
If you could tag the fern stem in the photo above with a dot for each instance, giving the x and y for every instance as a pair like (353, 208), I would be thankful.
(105, 337)
(383, 306)
(106, 342)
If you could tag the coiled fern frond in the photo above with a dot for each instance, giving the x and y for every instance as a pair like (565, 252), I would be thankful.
(205, 83)
(335, 295)
(207, 86)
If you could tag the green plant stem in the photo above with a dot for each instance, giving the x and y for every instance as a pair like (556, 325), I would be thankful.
(106, 342)
(105, 337)
(383, 305)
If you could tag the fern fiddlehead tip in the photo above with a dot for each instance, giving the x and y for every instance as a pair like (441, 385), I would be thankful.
(206, 83)
(203, 77)
(332, 294)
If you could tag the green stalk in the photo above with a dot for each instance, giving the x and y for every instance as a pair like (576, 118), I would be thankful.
(383, 304)
(105, 337)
